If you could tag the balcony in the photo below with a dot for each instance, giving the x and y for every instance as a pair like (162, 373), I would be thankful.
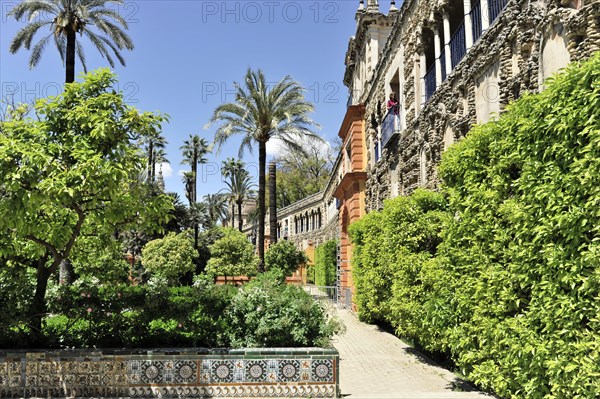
(390, 126)
(496, 7)
(476, 25)
(443, 63)
(430, 83)
(458, 46)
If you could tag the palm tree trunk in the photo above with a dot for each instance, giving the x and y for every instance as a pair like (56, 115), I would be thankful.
(150, 160)
(70, 57)
(153, 167)
(240, 224)
(194, 171)
(260, 240)
(272, 203)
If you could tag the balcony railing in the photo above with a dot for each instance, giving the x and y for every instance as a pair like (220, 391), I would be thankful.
(496, 7)
(430, 82)
(443, 63)
(390, 126)
(476, 20)
(458, 47)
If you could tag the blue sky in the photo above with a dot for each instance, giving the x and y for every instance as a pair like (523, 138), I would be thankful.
(188, 54)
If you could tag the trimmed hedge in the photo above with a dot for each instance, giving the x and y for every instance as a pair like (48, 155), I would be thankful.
(393, 262)
(326, 264)
(512, 293)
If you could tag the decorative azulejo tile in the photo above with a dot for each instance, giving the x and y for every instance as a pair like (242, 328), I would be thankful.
(322, 370)
(152, 372)
(221, 371)
(256, 371)
(289, 370)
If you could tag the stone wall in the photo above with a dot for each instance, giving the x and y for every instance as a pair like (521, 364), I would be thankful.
(171, 373)
(522, 47)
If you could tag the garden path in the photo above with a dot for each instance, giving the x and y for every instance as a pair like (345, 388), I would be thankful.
(376, 364)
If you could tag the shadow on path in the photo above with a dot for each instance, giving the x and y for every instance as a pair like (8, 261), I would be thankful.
(376, 364)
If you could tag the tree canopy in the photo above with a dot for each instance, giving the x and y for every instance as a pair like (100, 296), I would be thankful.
(75, 168)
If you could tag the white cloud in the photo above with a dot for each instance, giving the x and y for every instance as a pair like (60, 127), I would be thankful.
(274, 147)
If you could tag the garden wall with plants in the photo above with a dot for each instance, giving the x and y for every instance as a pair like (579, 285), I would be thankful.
(173, 373)
(500, 270)
(326, 264)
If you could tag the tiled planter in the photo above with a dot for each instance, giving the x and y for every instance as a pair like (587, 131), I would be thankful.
(171, 373)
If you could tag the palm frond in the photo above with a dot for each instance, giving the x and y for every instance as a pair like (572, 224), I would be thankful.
(32, 8)
(81, 55)
(24, 37)
(37, 51)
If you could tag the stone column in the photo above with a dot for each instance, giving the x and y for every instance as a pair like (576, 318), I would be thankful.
(469, 23)
(447, 43)
(485, 15)
(423, 69)
(437, 52)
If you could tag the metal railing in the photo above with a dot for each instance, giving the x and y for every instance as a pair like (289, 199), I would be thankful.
(496, 7)
(443, 63)
(476, 26)
(390, 126)
(430, 83)
(323, 293)
(458, 46)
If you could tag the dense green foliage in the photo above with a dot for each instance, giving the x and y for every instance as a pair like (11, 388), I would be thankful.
(142, 316)
(170, 257)
(232, 255)
(302, 171)
(72, 172)
(512, 293)
(285, 257)
(263, 313)
(269, 313)
(326, 263)
(525, 246)
(393, 264)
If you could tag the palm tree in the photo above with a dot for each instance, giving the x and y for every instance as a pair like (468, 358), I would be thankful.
(188, 180)
(153, 142)
(71, 17)
(194, 150)
(260, 113)
(239, 186)
(216, 206)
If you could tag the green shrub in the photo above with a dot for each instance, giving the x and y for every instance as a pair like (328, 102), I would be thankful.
(523, 251)
(393, 263)
(326, 263)
(269, 313)
(284, 256)
(140, 316)
(170, 257)
(232, 255)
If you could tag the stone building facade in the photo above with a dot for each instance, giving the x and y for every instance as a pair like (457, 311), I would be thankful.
(454, 64)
